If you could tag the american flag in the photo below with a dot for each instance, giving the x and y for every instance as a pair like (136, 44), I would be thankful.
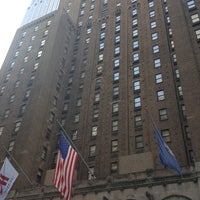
(64, 172)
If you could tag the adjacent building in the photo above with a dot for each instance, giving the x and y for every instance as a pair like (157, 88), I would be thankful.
(106, 70)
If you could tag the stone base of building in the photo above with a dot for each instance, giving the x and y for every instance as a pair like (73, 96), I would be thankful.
(148, 185)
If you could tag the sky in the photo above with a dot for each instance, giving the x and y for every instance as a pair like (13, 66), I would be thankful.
(11, 16)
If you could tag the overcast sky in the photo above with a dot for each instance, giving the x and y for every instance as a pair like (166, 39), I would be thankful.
(11, 16)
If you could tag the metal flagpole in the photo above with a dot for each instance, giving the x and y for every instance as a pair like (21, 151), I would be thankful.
(18, 166)
(79, 153)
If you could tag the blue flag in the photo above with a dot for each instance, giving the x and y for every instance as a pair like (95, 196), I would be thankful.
(167, 158)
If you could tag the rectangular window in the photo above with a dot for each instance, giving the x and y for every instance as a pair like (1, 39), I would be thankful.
(134, 12)
(135, 57)
(103, 26)
(138, 121)
(135, 33)
(166, 135)
(153, 25)
(139, 142)
(117, 39)
(163, 114)
(191, 4)
(151, 4)
(118, 18)
(94, 131)
(102, 36)
(44, 153)
(117, 51)
(114, 146)
(135, 44)
(154, 36)
(157, 63)
(117, 29)
(158, 78)
(136, 85)
(100, 58)
(135, 22)
(51, 117)
(92, 150)
(1, 130)
(115, 126)
(116, 91)
(197, 32)
(137, 102)
(74, 135)
(155, 49)
(114, 167)
(115, 108)
(97, 98)
(77, 118)
(160, 95)
(116, 76)
(11, 146)
(79, 102)
(17, 126)
(116, 63)
(96, 113)
(152, 13)
(136, 71)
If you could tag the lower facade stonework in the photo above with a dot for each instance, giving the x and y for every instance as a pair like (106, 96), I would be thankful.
(123, 188)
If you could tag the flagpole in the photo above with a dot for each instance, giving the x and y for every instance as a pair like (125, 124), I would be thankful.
(79, 153)
(18, 165)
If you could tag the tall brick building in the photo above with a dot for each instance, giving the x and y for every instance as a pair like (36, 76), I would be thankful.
(101, 68)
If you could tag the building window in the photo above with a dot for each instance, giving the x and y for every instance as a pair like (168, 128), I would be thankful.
(88, 31)
(103, 26)
(136, 85)
(17, 126)
(99, 70)
(114, 167)
(1, 130)
(29, 48)
(96, 113)
(177, 74)
(135, 22)
(6, 114)
(117, 29)
(92, 150)
(36, 28)
(115, 108)
(180, 92)
(46, 33)
(55, 100)
(138, 121)
(135, 57)
(101, 46)
(117, 51)
(27, 94)
(152, 13)
(48, 23)
(136, 71)
(160, 95)
(65, 107)
(17, 84)
(22, 109)
(42, 43)
(153, 25)
(94, 131)
(116, 63)
(158, 78)
(118, 18)
(135, 33)
(154, 36)
(39, 54)
(39, 175)
(139, 142)
(191, 4)
(74, 135)
(91, 173)
(100, 58)
(151, 4)
(79, 102)
(102, 36)
(155, 49)
(116, 76)
(26, 59)
(163, 114)
(116, 91)
(77, 118)
(11, 146)
(166, 135)
(44, 153)
(114, 146)
(134, 12)
(115, 126)
(117, 39)
(168, 20)
(2, 90)
(135, 44)
(51, 117)
(97, 97)
(197, 32)
(12, 98)
(137, 102)
(157, 63)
